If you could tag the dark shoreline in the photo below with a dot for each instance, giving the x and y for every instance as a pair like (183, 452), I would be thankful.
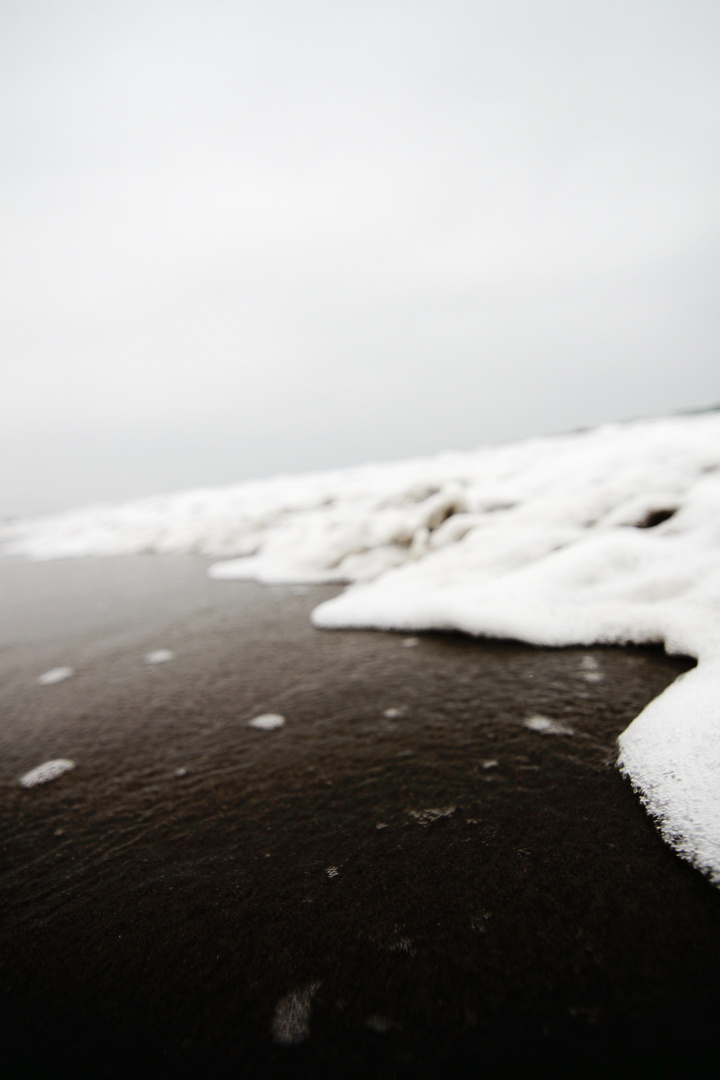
(152, 923)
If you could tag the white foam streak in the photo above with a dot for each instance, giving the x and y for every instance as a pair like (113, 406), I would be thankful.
(49, 770)
(291, 1023)
(267, 722)
(55, 675)
(159, 656)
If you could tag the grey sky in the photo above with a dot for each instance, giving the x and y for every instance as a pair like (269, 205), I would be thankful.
(253, 237)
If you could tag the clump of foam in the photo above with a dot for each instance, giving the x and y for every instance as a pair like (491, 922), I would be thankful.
(159, 656)
(590, 670)
(291, 1023)
(432, 814)
(49, 770)
(267, 722)
(55, 675)
(547, 726)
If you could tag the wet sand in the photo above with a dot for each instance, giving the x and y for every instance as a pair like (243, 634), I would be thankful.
(441, 891)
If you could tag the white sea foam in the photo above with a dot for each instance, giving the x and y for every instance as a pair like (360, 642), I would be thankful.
(267, 722)
(49, 770)
(545, 725)
(609, 536)
(159, 656)
(291, 1023)
(433, 813)
(590, 670)
(55, 675)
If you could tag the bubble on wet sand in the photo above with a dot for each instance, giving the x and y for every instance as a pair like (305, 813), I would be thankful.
(411, 642)
(590, 670)
(267, 722)
(403, 945)
(291, 1023)
(433, 813)
(394, 714)
(544, 725)
(56, 674)
(49, 770)
(182, 771)
(159, 656)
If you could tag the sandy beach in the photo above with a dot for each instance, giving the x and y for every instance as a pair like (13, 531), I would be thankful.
(432, 869)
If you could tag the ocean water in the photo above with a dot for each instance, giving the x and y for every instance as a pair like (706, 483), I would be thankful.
(430, 867)
(610, 536)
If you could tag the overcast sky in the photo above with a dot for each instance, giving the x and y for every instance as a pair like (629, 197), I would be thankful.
(251, 237)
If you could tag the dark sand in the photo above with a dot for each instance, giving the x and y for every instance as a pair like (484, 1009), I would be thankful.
(153, 924)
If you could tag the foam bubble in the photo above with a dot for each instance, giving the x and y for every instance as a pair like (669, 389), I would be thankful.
(55, 675)
(546, 726)
(49, 770)
(291, 1023)
(590, 670)
(433, 813)
(159, 656)
(267, 722)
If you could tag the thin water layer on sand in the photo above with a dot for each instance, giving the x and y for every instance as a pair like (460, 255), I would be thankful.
(606, 536)
(406, 878)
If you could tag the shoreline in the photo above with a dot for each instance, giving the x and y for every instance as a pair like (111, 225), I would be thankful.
(498, 896)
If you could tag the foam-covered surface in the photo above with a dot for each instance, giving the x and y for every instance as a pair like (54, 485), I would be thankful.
(608, 536)
(49, 770)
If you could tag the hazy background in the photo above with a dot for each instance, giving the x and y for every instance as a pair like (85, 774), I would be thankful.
(249, 237)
